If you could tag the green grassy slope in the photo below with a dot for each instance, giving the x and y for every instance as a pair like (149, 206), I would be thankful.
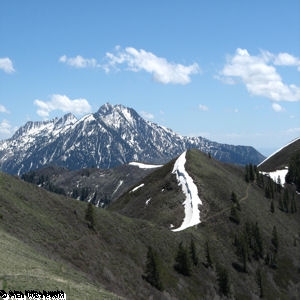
(216, 181)
(23, 268)
(157, 201)
(113, 256)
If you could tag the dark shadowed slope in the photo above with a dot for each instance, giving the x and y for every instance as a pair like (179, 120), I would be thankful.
(280, 159)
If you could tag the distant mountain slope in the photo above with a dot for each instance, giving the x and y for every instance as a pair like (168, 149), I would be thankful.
(98, 186)
(280, 159)
(112, 136)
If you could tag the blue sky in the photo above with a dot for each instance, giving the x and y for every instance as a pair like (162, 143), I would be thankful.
(225, 70)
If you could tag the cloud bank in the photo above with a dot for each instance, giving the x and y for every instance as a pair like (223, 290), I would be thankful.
(3, 109)
(62, 102)
(162, 70)
(5, 128)
(203, 107)
(260, 76)
(147, 115)
(277, 107)
(6, 65)
(79, 62)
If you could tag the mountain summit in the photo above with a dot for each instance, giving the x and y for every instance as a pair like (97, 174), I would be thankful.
(114, 135)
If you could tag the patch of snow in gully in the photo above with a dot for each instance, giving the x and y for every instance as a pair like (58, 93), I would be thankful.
(192, 201)
(278, 173)
(118, 186)
(137, 187)
(144, 166)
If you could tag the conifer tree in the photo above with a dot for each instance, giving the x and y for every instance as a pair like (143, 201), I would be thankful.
(248, 234)
(242, 250)
(84, 193)
(234, 216)
(247, 173)
(193, 253)
(267, 192)
(259, 281)
(209, 261)
(75, 193)
(258, 242)
(293, 204)
(293, 175)
(286, 200)
(235, 200)
(233, 197)
(182, 263)
(269, 188)
(90, 215)
(251, 173)
(152, 270)
(245, 255)
(272, 208)
(260, 180)
(223, 280)
(274, 239)
(280, 204)
(278, 186)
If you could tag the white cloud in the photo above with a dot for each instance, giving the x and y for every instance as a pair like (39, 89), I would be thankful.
(6, 65)
(276, 107)
(140, 60)
(260, 76)
(285, 59)
(79, 61)
(203, 107)
(147, 115)
(293, 130)
(3, 109)
(5, 128)
(61, 102)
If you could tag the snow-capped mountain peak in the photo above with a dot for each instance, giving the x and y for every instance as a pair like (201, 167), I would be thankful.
(67, 119)
(35, 128)
(114, 135)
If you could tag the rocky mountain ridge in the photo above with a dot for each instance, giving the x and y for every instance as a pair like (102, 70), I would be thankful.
(112, 136)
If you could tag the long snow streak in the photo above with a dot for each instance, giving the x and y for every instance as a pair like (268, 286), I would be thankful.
(192, 201)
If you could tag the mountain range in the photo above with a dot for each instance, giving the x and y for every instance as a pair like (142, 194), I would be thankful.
(112, 136)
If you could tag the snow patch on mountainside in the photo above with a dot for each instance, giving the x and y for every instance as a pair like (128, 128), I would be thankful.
(278, 173)
(144, 166)
(137, 187)
(118, 186)
(192, 201)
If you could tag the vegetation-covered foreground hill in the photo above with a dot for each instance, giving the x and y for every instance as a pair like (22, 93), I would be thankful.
(243, 248)
(240, 224)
